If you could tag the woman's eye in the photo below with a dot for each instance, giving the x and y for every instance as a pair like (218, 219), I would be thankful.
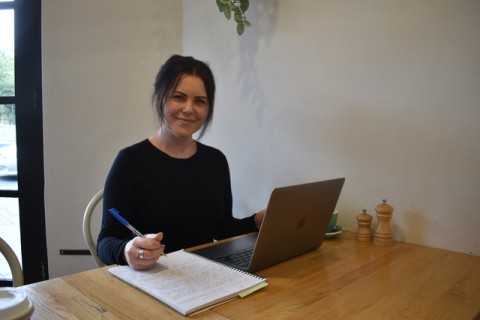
(201, 102)
(178, 97)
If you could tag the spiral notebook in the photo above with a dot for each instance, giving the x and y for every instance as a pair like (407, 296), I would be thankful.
(190, 283)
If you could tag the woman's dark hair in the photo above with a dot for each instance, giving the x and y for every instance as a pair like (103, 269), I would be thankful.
(169, 76)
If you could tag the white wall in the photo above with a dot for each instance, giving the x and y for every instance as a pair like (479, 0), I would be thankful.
(385, 93)
(99, 63)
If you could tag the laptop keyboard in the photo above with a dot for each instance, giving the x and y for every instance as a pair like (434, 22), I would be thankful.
(240, 258)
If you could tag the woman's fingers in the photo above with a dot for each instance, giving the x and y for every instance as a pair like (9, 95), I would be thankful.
(143, 252)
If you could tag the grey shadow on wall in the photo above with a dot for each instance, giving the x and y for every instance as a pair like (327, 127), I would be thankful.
(263, 16)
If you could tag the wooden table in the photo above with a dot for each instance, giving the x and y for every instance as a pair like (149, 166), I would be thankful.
(343, 279)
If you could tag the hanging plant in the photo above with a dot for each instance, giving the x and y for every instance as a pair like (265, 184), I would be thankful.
(238, 8)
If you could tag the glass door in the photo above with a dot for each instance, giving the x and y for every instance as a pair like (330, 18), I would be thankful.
(9, 212)
(22, 208)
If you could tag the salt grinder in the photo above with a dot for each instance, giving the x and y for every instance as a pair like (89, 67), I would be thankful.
(364, 232)
(383, 234)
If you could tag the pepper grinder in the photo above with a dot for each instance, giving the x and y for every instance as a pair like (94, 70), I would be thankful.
(364, 232)
(383, 234)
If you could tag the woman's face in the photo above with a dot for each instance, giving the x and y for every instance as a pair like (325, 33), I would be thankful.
(187, 107)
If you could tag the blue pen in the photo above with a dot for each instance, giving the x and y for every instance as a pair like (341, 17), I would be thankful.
(123, 221)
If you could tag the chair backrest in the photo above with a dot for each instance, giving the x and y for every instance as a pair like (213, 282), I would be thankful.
(12, 259)
(87, 232)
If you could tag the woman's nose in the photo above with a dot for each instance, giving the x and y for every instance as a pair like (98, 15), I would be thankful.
(187, 107)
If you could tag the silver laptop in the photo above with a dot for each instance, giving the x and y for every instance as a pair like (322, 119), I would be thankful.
(295, 223)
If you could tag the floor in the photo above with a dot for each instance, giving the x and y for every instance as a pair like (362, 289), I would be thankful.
(10, 232)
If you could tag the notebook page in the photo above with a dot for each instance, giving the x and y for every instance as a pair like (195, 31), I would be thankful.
(188, 282)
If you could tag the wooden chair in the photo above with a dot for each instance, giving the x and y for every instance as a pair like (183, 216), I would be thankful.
(87, 232)
(15, 267)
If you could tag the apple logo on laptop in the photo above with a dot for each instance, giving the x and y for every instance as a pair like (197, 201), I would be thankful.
(301, 221)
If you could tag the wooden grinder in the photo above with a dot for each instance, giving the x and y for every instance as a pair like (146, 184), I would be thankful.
(364, 220)
(383, 234)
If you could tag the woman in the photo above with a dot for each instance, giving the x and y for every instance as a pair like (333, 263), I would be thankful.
(170, 186)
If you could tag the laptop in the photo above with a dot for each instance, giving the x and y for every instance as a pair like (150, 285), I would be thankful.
(295, 223)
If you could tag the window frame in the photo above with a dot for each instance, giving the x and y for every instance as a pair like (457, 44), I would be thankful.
(29, 138)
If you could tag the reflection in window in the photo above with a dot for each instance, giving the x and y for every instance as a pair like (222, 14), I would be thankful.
(7, 117)
(10, 231)
(7, 71)
(8, 148)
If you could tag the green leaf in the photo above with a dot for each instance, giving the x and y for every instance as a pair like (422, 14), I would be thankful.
(244, 4)
(222, 5)
(240, 28)
(238, 8)
(238, 17)
(227, 12)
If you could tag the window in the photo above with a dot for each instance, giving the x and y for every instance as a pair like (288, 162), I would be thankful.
(22, 210)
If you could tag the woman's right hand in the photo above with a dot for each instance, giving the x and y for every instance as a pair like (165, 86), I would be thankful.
(141, 253)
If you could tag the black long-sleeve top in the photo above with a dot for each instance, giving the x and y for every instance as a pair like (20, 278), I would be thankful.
(189, 200)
